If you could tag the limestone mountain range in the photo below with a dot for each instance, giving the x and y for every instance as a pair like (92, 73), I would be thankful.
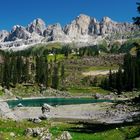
(83, 30)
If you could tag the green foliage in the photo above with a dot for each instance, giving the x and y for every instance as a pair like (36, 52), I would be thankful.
(115, 47)
(128, 45)
(128, 77)
(55, 77)
(137, 19)
(56, 128)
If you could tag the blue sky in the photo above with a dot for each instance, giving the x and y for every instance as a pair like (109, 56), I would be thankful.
(23, 12)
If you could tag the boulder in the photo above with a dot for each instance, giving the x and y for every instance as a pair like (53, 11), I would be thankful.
(97, 96)
(35, 132)
(47, 136)
(29, 132)
(20, 105)
(6, 112)
(7, 92)
(12, 134)
(36, 120)
(44, 117)
(65, 136)
(46, 108)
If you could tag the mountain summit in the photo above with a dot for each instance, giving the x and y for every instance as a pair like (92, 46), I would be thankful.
(84, 30)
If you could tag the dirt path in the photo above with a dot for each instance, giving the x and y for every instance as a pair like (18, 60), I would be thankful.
(97, 72)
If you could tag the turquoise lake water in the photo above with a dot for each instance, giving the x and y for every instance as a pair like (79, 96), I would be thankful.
(53, 101)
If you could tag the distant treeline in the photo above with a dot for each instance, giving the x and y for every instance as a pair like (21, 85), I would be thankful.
(35, 70)
(56, 48)
(128, 76)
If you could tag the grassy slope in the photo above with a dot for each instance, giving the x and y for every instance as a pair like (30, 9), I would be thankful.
(56, 128)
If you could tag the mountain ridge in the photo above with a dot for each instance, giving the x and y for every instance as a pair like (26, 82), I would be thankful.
(84, 30)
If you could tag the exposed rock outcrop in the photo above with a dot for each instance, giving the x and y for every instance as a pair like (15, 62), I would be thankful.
(5, 111)
(3, 35)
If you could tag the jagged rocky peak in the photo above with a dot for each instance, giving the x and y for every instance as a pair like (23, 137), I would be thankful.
(79, 26)
(18, 32)
(3, 35)
(54, 32)
(52, 28)
(82, 17)
(38, 26)
(106, 20)
(82, 29)
(108, 26)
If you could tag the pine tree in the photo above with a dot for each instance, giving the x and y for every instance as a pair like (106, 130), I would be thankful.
(119, 83)
(19, 68)
(137, 19)
(62, 75)
(55, 77)
(14, 70)
(26, 71)
(46, 74)
(110, 79)
(6, 75)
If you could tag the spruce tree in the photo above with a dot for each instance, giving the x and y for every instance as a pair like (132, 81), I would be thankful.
(110, 79)
(6, 75)
(62, 75)
(55, 77)
(119, 83)
(137, 19)
(46, 74)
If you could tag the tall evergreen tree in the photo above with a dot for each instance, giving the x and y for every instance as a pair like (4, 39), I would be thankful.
(119, 83)
(55, 77)
(62, 75)
(137, 19)
(6, 75)
(46, 74)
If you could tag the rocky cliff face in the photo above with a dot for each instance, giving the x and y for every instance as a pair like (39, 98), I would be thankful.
(85, 25)
(38, 26)
(54, 33)
(18, 32)
(83, 29)
(3, 35)
(78, 27)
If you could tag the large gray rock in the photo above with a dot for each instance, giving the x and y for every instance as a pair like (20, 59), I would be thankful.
(35, 132)
(65, 136)
(6, 112)
(47, 136)
(46, 108)
(7, 92)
